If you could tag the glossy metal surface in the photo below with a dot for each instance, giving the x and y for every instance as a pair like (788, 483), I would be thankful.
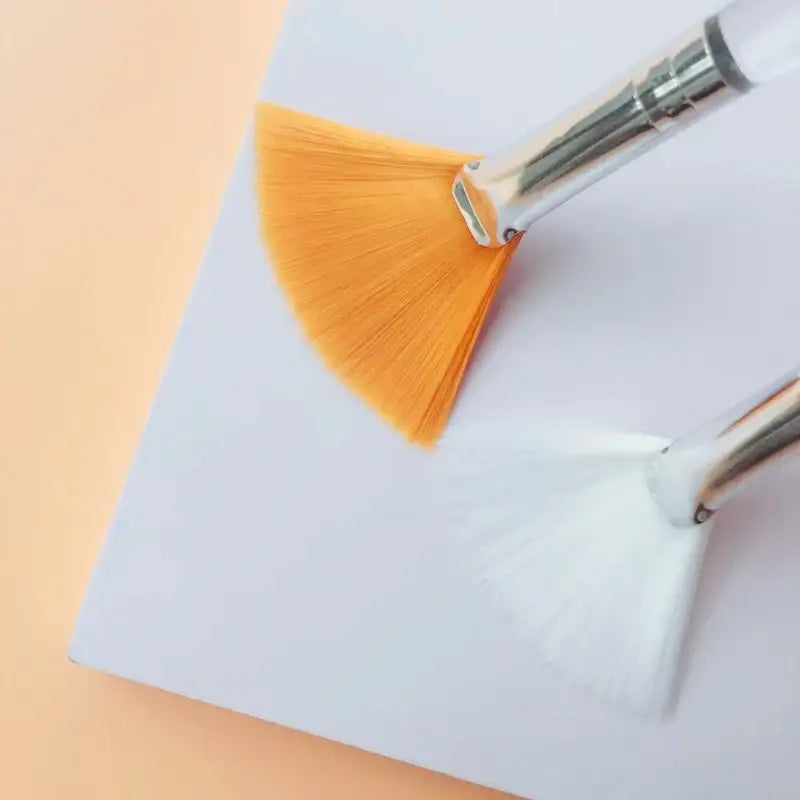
(697, 473)
(505, 192)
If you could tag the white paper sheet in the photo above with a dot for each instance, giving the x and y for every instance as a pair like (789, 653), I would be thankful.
(275, 550)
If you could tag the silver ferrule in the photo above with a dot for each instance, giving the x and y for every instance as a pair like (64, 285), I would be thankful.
(504, 193)
(692, 477)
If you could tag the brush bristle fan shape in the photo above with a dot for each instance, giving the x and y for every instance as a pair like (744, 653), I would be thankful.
(377, 263)
(576, 554)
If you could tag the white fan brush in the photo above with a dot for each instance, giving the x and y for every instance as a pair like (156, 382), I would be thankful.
(592, 542)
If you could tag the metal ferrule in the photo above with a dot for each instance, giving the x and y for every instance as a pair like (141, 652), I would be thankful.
(504, 193)
(692, 477)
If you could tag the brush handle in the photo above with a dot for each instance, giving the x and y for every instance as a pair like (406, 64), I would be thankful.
(745, 44)
(697, 473)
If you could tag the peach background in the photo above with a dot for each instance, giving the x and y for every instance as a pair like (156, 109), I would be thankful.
(119, 124)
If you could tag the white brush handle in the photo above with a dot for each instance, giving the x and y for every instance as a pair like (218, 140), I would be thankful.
(763, 36)
(744, 45)
(697, 473)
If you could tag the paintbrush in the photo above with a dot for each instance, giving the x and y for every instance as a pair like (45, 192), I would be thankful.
(390, 251)
(591, 542)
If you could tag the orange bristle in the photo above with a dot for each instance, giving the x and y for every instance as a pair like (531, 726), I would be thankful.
(376, 260)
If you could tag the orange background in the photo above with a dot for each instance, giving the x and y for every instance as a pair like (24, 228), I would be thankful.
(119, 125)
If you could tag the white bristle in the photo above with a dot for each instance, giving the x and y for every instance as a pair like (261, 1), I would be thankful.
(573, 547)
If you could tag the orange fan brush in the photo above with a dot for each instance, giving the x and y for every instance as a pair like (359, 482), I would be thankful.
(391, 251)
(381, 271)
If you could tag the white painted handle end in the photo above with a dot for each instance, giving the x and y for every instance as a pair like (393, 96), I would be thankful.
(763, 36)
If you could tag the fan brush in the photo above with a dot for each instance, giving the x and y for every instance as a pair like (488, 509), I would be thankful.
(591, 542)
(390, 251)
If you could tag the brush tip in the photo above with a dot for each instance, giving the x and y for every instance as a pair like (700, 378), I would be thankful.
(380, 270)
(579, 558)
